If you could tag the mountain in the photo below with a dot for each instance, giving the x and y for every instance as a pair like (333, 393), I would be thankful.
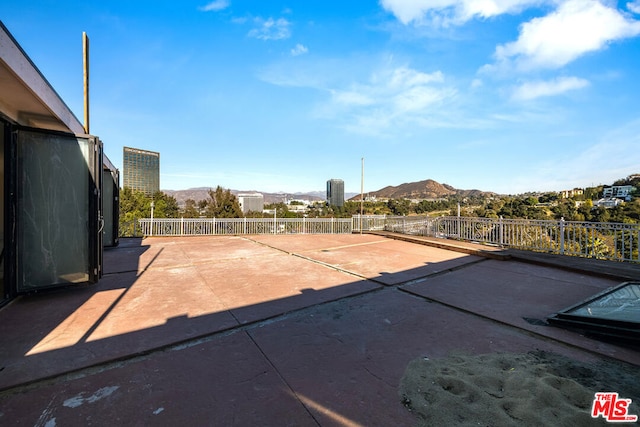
(202, 193)
(427, 189)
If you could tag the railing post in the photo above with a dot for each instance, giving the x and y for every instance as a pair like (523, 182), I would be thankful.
(561, 235)
(182, 226)
(244, 226)
(304, 225)
(501, 232)
(331, 225)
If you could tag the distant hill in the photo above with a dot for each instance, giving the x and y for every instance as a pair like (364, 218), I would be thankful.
(427, 189)
(202, 193)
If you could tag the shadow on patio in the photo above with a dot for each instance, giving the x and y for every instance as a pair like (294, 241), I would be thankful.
(306, 323)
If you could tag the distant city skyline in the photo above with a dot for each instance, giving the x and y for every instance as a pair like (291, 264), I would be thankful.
(503, 97)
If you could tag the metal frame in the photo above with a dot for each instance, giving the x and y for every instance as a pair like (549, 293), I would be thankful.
(609, 328)
(94, 238)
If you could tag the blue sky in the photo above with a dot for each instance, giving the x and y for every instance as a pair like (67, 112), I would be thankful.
(497, 95)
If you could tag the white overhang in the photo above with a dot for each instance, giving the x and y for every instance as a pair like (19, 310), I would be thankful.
(26, 97)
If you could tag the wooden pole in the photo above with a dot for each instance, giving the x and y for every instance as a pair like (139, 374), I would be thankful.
(85, 63)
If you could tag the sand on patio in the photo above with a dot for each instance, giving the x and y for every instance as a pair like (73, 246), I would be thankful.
(502, 389)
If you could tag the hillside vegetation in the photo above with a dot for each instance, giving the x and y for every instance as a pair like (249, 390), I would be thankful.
(419, 198)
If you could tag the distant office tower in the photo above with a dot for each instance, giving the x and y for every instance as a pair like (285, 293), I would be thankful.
(141, 170)
(335, 192)
(251, 202)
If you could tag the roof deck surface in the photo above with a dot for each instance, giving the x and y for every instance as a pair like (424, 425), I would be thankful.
(275, 330)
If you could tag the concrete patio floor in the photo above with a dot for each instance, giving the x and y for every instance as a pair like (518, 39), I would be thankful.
(275, 330)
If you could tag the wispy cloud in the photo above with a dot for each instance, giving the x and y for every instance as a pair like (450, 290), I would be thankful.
(385, 102)
(390, 99)
(537, 89)
(577, 27)
(271, 29)
(452, 12)
(619, 144)
(299, 49)
(634, 6)
(215, 6)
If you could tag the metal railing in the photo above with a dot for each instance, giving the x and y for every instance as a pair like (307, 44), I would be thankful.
(415, 225)
(612, 241)
(369, 222)
(601, 240)
(237, 226)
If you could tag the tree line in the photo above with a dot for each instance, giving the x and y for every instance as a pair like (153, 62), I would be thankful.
(221, 203)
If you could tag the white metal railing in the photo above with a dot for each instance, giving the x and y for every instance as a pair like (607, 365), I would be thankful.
(237, 226)
(602, 240)
(369, 222)
(416, 225)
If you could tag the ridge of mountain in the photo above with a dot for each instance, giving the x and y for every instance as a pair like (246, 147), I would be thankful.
(426, 189)
(202, 193)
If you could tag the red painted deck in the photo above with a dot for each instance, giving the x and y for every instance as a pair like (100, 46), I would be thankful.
(272, 330)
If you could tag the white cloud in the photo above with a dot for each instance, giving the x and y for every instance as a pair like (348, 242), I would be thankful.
(351, 98)
(390, 99)
(634, 6)
(574, 29)
(299, 49)
(537, 89)
(406, 78)
(476, 83)
(445, 12)
(215, 6)
(271, 29)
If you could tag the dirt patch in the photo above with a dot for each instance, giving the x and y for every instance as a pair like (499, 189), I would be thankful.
(502, 389)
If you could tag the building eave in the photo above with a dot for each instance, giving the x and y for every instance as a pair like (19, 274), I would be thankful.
(26, 97)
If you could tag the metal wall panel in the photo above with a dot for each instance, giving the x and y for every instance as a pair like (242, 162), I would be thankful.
(56, 213)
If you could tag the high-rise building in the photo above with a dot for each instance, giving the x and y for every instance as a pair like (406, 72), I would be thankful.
(141, 170)
(251, 202)
(335, 192)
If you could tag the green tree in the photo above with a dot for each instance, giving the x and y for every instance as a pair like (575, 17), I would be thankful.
(600, 214)
(592, 192)
(190, 209)
(282, 210)
(223, 204)
(135, 205)
(399, 206)
(165, 206)
(531, 201)
(586, 209)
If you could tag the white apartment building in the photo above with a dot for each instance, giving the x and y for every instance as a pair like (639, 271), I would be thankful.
(617, 191)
